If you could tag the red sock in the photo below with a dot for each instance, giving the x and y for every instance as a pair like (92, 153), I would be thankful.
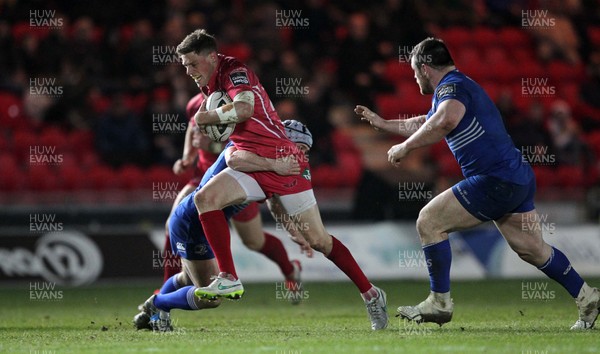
(171, 262)
(343, 259)
(274, 250)
(216, 231)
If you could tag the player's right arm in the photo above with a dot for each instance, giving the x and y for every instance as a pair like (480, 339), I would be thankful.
(404, 127)
(246, 161)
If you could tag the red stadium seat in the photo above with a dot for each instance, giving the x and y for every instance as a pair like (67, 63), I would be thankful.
(157, 175)
(42, 178)
(396, 71)
(81, 141)
(494, 55)
(593, 141)
(10, 178)
(131, 177)
(545, 177)
(71, 178)
(513, 38)
(529, 69)
(102, 178)
(563, 72)
(485, 37)
(571, 177)
(457, 37)
(54, 138)
(594, 34)
(23, 142)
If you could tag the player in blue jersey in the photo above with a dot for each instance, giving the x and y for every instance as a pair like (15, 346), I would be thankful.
(189, 243)
(499, 186)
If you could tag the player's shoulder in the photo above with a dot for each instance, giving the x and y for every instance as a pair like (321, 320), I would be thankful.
(234, 70)
(451, 84)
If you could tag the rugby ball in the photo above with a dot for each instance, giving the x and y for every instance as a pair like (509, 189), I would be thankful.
(218, 132)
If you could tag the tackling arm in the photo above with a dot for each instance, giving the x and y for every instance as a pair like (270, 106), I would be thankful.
(246, 161)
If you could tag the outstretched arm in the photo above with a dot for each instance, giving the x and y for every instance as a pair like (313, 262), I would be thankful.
(404, 127)
(442, 122)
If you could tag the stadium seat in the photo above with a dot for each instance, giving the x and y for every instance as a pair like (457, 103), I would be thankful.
(42, 178)
(513, 38)
(594, 34)
(10, 178)
(593, 141)
(160, 175)
(131, 177)
(563, 72)
(545, 177)
(102, 178)
(81, 141)
(571, 177)
(71, 178)
(23, 142)
(55, 138)
(396, 71)
(485, 37)
(457, 37)
(494, 55)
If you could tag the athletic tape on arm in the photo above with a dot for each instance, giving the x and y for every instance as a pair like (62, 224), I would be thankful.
(227, 113)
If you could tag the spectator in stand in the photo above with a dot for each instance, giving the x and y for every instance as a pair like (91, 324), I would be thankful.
(569, 148)
(558, 41)
(119, 136)
(530, 129)
(356, 58)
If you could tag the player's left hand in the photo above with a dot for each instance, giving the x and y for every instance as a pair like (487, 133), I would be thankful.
(199, 115)
(397, 153)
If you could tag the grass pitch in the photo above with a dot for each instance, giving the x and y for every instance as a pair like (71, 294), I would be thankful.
(490, 316)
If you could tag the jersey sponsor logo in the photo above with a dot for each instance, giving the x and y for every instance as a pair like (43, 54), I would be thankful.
(239, 78)
(306, 174)
(446, 90)
(180, 246)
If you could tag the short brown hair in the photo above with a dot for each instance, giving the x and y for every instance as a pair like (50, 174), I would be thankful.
(199, 42)
(432, 52)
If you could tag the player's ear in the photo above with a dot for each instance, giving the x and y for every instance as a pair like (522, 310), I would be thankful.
(212, 56)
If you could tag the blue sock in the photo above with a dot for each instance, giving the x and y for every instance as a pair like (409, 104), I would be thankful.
(439, 258)
(182, 299)
(170, 285)
(559, 268)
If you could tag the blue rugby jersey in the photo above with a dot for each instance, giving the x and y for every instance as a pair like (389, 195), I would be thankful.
(480, 142)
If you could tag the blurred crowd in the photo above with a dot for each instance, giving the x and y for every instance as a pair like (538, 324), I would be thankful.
(112, 62)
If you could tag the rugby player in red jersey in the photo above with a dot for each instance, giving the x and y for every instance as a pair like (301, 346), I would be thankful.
(247, 222)
(260, 131)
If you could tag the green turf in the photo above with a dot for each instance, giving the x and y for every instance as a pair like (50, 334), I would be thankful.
(490, 316)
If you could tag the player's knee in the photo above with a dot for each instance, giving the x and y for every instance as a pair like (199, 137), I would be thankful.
(205, 200)
(424, 224)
